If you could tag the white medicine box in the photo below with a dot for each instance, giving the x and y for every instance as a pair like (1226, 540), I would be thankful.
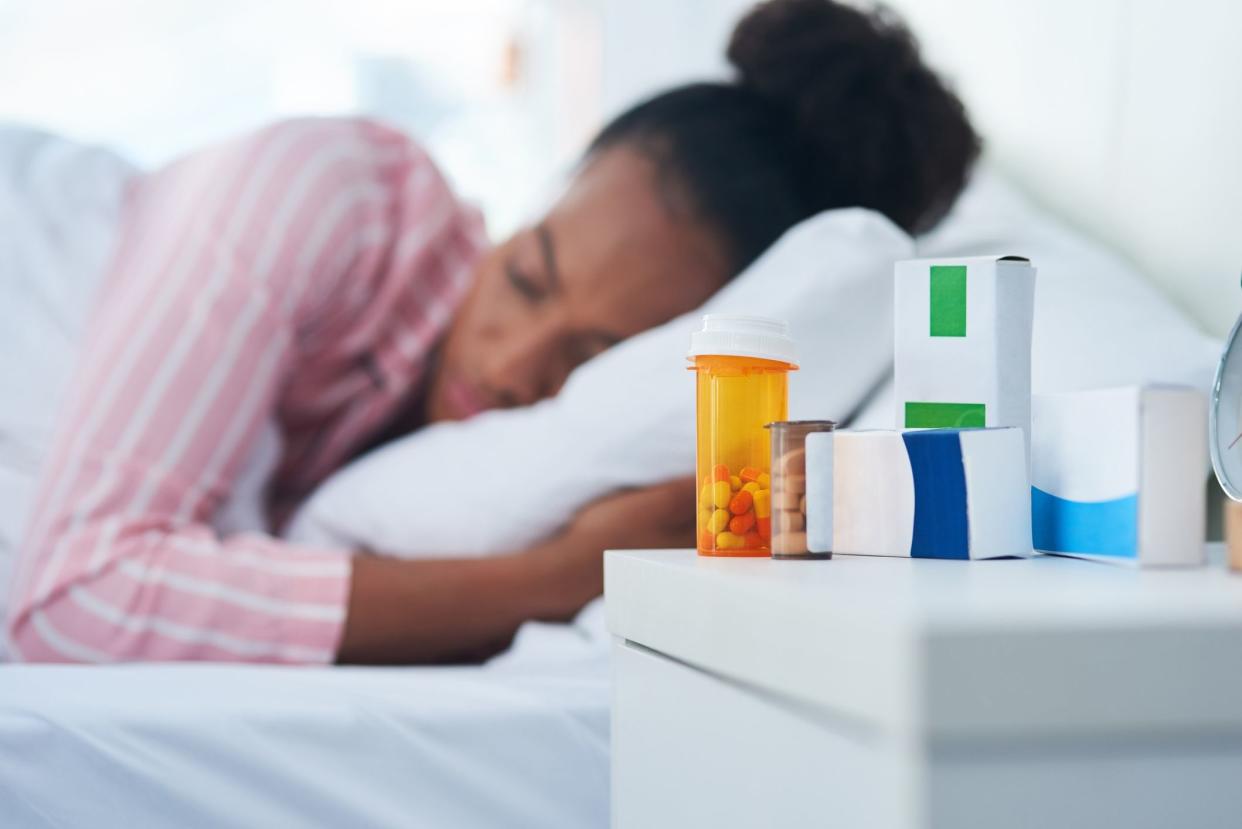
(1118, 474)
(962, 350)
(923, 493)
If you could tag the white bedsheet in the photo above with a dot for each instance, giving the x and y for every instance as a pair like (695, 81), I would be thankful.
(520, 742)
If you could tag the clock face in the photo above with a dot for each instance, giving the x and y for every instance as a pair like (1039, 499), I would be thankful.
(1225, 417)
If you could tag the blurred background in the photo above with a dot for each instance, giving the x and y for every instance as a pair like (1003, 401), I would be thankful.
(502, 91)
(1103, 111)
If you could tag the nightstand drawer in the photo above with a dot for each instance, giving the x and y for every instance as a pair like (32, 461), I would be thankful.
(693, 749)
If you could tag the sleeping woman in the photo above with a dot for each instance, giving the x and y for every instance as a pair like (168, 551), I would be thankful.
(321, 275)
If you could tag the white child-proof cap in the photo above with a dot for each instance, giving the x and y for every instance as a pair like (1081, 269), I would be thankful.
(741, 335)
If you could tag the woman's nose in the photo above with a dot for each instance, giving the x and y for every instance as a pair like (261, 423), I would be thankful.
(521, 366)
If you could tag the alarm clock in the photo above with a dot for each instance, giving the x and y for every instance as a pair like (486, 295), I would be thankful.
(1225, 416)
(1225, 438)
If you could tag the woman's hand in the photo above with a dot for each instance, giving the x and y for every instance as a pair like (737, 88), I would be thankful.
(437, 610)
(655, 516)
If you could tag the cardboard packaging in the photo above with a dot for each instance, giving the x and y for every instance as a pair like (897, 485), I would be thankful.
(937, 493)
(963, 342)
(1233, 534)
(1118, 474)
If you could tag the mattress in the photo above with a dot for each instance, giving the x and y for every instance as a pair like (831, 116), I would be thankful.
(521, 741)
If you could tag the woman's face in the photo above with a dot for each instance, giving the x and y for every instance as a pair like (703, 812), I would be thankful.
(611, 259)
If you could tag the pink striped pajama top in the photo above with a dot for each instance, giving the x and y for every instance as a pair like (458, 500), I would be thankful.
(300, 275)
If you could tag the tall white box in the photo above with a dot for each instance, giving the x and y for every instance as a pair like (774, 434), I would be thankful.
(962, 350)
(1119, 474)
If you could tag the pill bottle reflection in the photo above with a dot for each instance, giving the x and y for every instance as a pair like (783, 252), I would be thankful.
(742, 364)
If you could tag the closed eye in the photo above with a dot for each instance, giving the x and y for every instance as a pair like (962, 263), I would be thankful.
(524, 284)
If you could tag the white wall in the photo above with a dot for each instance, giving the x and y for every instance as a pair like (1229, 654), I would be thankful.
(653, 44)
(495, 88)
(1123, 116)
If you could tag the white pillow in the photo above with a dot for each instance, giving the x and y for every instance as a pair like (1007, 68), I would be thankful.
(1098, 322)
(504, 479)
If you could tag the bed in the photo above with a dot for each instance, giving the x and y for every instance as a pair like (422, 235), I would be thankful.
(519, 742)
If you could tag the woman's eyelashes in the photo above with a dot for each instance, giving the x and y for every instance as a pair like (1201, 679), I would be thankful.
(527, 287)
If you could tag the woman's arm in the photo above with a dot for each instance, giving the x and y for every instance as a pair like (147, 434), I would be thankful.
(437, 610)
(245, 286)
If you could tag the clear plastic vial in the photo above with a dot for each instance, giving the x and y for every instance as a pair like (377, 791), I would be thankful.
(789, 486)
(742, 365)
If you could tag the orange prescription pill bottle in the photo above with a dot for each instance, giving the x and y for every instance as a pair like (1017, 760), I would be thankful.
(742, 364)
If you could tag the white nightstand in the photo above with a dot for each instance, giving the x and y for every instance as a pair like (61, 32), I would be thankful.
(873, 692)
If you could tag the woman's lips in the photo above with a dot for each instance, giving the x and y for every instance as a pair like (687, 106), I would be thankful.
(465, 399)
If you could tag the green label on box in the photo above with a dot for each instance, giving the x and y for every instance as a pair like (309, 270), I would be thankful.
(948, 301)
(945, 415)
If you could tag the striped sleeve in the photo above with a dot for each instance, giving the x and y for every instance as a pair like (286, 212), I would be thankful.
(224, 260)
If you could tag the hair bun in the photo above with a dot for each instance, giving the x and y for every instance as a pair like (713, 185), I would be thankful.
(858, 93)
(786, 49)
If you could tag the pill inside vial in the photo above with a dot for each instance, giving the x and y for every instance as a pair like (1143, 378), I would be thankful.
(784, 500)
(793, 462)
(789, 543)
(791, 522)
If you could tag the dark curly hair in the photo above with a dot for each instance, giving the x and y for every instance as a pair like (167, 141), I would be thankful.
(832, 106)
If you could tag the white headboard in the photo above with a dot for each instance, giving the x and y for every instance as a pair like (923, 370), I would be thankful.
(1123, 116)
